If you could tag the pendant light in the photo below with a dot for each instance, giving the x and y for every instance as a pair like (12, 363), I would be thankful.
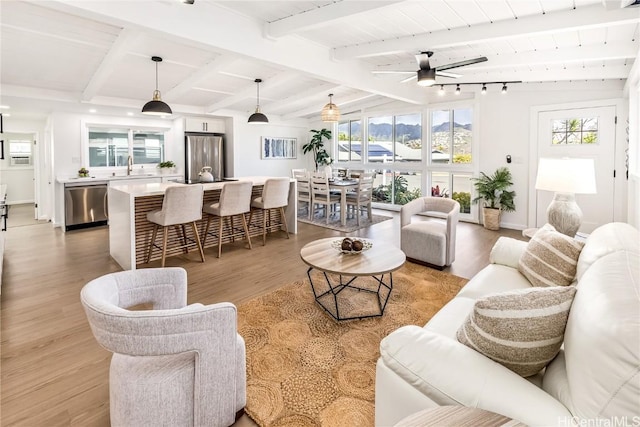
(330, 112)
(156, 107)
(257, 117)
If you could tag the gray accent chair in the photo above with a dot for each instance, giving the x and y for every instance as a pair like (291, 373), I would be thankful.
(432, 242)
(174, 365)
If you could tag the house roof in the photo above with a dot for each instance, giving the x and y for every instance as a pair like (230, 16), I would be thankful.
(75, 55)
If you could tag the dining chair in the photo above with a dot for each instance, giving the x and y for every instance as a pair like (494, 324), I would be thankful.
(275, 195)
(304, 192)
(174, 364)
(321, 194)
(181, 205)
(298, 172)
(362, 196)
(235, 200)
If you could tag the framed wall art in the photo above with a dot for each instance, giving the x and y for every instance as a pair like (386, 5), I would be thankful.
(277, 147)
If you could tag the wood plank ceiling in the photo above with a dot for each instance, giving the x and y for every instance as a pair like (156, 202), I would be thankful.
(71, 55)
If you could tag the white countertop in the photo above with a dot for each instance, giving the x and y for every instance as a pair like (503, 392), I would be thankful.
(67, 179)
(153, 189)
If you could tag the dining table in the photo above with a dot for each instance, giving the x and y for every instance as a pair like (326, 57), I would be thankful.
(343, 185)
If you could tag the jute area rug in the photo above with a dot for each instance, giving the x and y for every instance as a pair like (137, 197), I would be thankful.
(334, 221)
(306, 369)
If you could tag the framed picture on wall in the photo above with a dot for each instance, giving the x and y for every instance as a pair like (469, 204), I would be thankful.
(277, 147)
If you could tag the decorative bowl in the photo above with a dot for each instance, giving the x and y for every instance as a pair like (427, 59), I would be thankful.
(337, 245)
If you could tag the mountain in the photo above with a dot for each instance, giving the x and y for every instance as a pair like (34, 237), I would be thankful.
(444, 127)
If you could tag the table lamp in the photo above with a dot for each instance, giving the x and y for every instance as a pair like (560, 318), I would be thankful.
(567, 177)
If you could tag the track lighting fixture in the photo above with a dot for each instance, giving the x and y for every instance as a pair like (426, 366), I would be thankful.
(330, 112)
(156, 107)
(257, 117)
(188, 1)
(483, 90)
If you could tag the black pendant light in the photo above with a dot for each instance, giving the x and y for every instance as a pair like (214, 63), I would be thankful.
(257, 117)
(156, 107)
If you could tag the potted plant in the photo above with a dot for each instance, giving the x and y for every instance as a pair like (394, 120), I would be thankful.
(494, 191)
(166, 167)
(316, 145)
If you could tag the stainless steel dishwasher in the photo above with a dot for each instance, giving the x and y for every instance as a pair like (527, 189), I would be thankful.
(85, 204)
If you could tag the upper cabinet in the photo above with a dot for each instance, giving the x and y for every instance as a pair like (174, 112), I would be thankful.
(203, 124)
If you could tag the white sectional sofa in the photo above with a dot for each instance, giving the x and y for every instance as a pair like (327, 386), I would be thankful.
(595, 376)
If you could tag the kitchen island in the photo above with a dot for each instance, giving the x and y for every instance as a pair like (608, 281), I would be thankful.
(130, 232)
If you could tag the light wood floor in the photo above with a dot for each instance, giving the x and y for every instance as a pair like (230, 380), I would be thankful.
(53, 371)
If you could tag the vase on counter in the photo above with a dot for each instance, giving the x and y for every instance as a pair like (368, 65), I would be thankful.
(328, 171)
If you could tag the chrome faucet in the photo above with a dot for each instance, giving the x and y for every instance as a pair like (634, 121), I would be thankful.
(129, 165)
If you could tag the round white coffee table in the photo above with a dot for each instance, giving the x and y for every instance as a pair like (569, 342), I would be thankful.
(341, 273)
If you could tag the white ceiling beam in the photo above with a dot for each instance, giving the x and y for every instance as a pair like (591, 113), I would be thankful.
(250, 91)
(583, 18)
(374, 104)
(238, 34)
(301, 98)
(577, 74)
(322, 16)
(600, 52)
(340, 102)
(115, 54)
(202, 73)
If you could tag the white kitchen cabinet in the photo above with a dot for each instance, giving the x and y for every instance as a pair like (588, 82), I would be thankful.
(203, 124)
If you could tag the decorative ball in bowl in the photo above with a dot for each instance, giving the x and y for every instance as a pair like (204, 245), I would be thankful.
(351, 246)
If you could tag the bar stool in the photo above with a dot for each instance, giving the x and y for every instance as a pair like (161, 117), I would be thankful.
(275, 195)
(235, 199)
(181, 205)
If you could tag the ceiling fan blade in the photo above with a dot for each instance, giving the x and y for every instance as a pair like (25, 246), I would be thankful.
(447, 74)
(391, 72)
(423, 60)
(408, 79)
(461, 63)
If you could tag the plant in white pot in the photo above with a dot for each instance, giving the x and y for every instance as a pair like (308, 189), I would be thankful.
(494, 191)
(166, 167)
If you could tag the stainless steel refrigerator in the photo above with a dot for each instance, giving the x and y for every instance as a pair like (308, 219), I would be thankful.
(203, 150)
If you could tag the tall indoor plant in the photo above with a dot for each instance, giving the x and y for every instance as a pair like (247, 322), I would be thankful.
(316, 145)
(494, 191)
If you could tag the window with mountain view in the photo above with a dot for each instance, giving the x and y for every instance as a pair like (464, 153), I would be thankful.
(451, 136)
(349, 141)
(574, 131)
(394, 138)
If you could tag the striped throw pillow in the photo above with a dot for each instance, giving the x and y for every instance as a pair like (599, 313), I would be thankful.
(550, 259)
(522, 330)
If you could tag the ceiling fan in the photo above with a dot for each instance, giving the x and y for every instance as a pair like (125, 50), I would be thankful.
(426, 75)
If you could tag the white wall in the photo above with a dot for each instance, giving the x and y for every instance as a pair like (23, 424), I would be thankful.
(505, 129)
(246, 147)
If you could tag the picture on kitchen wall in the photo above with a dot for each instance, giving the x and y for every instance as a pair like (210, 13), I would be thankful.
(277, 147)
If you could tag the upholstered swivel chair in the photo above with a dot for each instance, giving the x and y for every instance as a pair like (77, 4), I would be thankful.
(431, 242)
(175, 365)
(235, 200)
(181, 205)
(275, 195)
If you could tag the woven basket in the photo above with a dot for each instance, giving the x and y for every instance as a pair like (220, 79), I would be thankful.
(491, 218)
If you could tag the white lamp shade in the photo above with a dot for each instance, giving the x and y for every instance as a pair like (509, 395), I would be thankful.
(566, 175)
